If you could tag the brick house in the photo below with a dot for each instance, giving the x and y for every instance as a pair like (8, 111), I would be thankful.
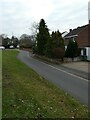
(82, 36)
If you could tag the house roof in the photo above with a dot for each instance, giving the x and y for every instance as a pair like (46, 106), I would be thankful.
(75, 31)
(64, 33)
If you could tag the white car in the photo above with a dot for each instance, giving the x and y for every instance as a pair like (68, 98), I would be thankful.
(2, 48)
(11, 47)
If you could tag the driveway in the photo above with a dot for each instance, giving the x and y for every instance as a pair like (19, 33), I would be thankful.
(78, 68)
(81, 66)
(72, 84)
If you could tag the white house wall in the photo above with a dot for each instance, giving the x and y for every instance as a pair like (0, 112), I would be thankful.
(88, 57)
(88, 53)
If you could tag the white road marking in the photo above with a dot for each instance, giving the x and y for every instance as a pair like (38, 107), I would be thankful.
(69, 73)
(63, 71)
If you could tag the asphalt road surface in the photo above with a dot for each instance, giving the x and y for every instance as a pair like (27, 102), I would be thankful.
(72, 84)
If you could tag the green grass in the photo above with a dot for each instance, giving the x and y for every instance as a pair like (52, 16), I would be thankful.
(0, 84)
(28, 95)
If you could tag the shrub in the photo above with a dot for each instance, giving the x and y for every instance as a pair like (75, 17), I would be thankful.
(59, 53)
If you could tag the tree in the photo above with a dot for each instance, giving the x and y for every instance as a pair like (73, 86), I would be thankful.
(14, 41)
(4, 35)
(72, 49)
(42, 37)
(6, 42)
(57, 39)
(57, 48)
(34, 30)
(55, 43)
(49, 48)
(25, 41)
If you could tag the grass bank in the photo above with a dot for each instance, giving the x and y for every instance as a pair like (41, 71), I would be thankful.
(0, 84)
(28, 95)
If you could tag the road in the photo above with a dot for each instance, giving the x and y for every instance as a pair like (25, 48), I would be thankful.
(72, 84)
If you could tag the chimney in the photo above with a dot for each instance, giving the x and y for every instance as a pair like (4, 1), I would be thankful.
(70, 30)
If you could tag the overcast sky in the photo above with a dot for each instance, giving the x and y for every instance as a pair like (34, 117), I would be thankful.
(17, 16)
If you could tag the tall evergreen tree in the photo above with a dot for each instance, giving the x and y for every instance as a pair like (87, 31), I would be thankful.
(42, 37)
(60, 40)
(49, 48)
(72, 49)
(57, 39)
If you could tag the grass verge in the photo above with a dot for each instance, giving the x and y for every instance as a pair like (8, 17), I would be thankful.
(0, 84)
(28, 95)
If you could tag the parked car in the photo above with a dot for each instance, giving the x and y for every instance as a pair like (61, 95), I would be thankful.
(11, 47)
(2, 48)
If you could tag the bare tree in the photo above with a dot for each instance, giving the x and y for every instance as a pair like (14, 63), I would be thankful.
(34, 30)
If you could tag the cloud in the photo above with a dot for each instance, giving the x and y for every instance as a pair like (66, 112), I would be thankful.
(18, 15)
(69, 15)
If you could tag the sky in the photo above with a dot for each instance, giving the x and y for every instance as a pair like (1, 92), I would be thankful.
(17, 16)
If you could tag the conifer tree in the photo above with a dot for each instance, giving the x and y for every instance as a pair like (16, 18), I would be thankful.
(72, 49)
(42, 37)
(57, 39)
